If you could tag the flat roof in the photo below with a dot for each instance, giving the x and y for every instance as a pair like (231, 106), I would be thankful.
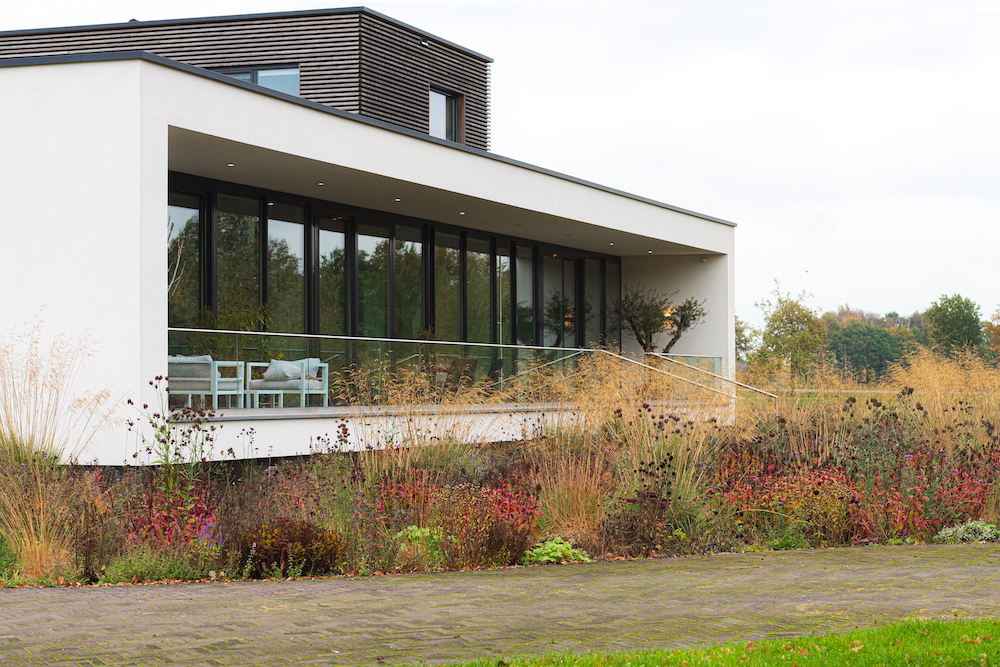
(246, 17)
(228, 80)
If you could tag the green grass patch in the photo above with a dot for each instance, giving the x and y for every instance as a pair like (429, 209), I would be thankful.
(964, 642)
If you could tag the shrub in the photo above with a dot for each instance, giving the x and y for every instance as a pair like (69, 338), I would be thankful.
(555, 550)
(969, 532)
(285, 547)
(150, 563)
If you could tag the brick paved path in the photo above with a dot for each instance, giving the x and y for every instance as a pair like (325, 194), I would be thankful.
(452, 616)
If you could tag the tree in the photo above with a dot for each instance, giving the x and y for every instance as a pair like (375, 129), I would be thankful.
(745, 335)
(644, 313)
(683, 318)
(992, 334)
(953, 323)
(865, 348)
(792, 332)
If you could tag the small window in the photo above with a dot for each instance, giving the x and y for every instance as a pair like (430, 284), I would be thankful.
(443, 116)
(281, 79)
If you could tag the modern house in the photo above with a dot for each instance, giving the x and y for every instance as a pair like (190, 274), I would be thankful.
(322, 173)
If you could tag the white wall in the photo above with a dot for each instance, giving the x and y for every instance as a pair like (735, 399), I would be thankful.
(71, 185)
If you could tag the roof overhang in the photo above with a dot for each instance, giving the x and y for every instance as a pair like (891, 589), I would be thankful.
(287, 144)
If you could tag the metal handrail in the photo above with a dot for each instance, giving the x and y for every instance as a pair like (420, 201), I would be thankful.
(532, 370)
(720, 377)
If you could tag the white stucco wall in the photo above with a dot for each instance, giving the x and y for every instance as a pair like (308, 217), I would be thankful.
(83, 181)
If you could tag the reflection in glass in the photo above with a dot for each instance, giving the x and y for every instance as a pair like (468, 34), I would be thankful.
(284, 80)
(569, 318)
(525, 297)
(237, 258)
(285, 267)
(477, 291)
(447, 287)
(409, 282)
(503, 293)
(613, 273)
(373, 281)
(592, 302)
(332, 284)
(443, 114)
(183, 266)
(552, 303)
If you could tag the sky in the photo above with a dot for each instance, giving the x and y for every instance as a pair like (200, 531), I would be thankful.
(855, 144)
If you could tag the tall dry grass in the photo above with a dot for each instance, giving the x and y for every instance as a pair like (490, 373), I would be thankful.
(34, 519)
(40, 409)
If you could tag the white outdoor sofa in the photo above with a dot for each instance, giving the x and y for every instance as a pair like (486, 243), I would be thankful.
(201, 376)
(305, 377)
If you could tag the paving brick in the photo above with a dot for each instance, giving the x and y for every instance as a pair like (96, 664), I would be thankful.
(448, 616)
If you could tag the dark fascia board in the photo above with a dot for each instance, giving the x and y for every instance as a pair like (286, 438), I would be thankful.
(247, 17)
(228, 80)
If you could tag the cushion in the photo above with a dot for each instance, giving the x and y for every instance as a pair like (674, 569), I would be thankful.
(199, 367)
(279, 370)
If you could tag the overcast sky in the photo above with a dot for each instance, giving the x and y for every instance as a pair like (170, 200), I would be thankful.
(855, 144)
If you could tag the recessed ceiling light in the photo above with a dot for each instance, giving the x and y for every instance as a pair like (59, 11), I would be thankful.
(650, 252)
(555, 254)
(270, 203)
(612, 243)
(398, 199)
(231, 165)
(461, 212)
(321, 183)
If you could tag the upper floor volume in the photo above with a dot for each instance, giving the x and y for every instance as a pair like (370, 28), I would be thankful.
(353, 59)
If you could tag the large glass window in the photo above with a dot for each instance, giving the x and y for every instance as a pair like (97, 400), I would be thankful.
(373, 281)
(477, 292)
(443, 116)
(332, 277)
(525, 296)
(409, 282)
(183, 265)
(286, 301)
(559, 315)
(591, 320)
(237, 261)
(503, 293)
(447, 287)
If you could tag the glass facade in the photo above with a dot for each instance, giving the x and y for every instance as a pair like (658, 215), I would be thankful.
(332, 276)
(409, 271)
(183, 265)
(373, 281)
(250, 260)
(477, 296)
(237, 262)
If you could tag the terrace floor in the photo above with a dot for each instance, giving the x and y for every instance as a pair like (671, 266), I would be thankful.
(602, 606)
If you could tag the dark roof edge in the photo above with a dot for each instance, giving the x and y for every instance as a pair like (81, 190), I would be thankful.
(247, 17)
(222, 78)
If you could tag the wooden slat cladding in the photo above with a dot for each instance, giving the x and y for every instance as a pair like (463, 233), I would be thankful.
(398, 70)
(356, 61)
(326, 48)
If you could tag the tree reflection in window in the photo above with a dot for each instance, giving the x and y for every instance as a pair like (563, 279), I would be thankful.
(409, 282)
(332, 283)
(237, 260)
(373, 281)
(183, 266)
(285, 267)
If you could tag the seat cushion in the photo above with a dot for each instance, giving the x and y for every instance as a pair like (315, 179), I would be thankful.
(203, 386)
